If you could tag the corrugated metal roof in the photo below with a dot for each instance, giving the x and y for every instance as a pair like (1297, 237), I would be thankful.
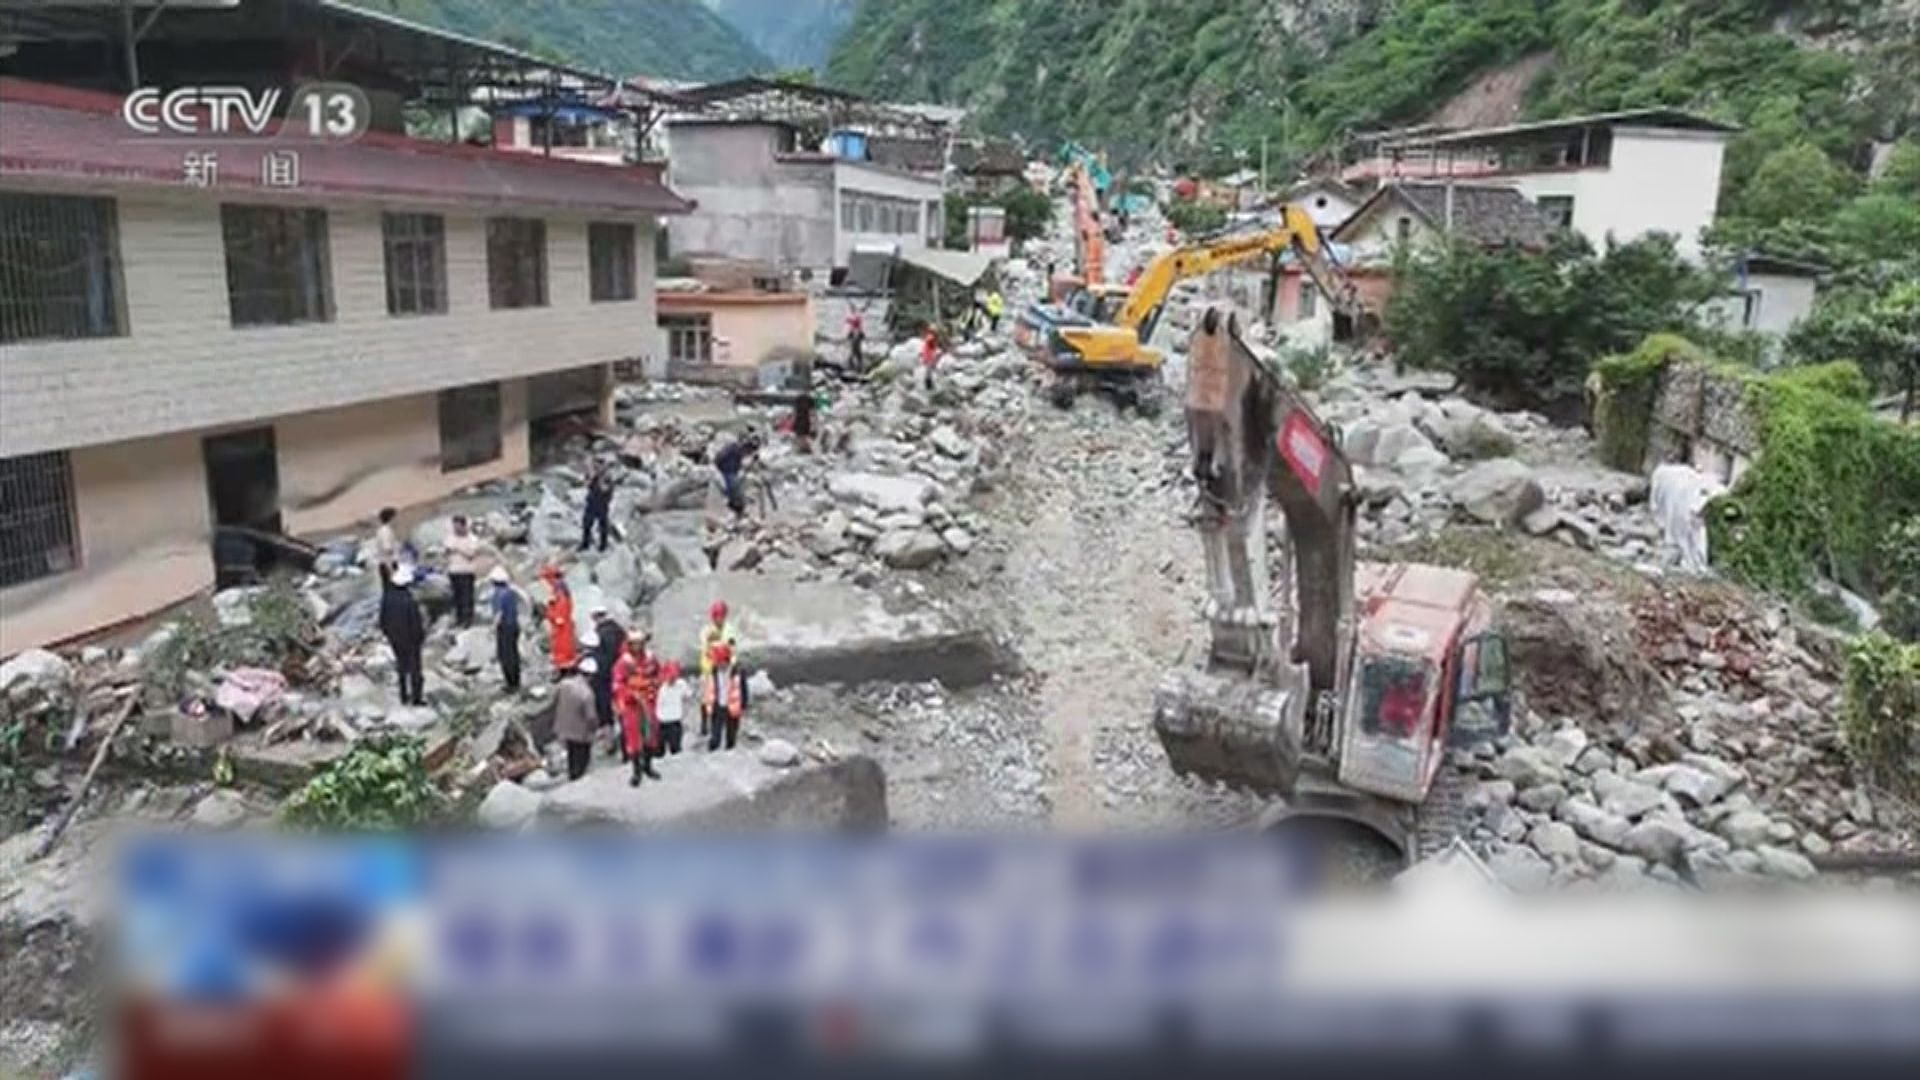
(59, 133)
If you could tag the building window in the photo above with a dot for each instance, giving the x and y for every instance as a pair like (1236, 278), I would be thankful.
(1557, 209)
(36, 517)
(1403, 231)
(934, 222)
(864, 211)
(610, 261)
(276, 265)
(516, 262)
(469, 426)
(849, 210)
(59, 268)
(1309, 299)
(416, 263)
(689, 338)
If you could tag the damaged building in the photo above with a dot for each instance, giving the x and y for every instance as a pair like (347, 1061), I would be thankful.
(200, 341)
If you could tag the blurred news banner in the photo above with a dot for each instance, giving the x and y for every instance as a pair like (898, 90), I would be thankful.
(277, 957)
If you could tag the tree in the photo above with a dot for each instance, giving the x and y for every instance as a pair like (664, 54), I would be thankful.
(1900, 175)
(1796, 182)
(1523, 327)
(1878, 331)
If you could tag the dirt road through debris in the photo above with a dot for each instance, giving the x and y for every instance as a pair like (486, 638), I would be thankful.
(1105, 575)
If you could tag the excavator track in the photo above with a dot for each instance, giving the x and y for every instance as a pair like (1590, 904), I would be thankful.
(1443, 815)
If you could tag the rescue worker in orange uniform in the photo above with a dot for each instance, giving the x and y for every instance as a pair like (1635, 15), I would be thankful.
(636, 681)
(724, 698)
(561, 645)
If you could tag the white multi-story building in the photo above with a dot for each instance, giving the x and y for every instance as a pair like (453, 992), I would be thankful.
(1621, 175)
(189, 347)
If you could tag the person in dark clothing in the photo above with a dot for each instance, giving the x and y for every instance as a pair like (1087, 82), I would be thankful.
(606, 652)
(730, 460)
(406, 632)
(599, 506)
(506, 628)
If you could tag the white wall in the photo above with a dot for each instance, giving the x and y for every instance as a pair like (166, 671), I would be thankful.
(184, 366)
(1327, 208)
(1658, 181)
(858, 178)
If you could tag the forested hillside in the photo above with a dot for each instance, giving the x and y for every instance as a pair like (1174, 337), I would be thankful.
(1204, 80)
(672, 38)
(794, 33)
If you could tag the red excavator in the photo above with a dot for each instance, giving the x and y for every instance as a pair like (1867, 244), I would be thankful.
(1343, 699)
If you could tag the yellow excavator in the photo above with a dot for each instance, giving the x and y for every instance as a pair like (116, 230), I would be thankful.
(1096, 339)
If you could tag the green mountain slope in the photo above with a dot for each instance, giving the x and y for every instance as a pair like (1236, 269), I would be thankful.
(673, 38)
(794, 33)
(1204, 81)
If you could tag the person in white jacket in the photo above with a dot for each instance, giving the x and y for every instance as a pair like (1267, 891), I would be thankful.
(671, 704)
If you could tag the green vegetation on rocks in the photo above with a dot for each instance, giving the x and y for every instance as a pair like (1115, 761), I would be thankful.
(1882, 712)
(680, 39)
(381, 785)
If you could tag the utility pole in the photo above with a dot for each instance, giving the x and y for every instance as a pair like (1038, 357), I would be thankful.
(1263, 167)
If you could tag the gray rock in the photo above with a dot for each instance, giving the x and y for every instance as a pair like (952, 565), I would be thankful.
(957, 538)
(1633, 800)
(1543, 798)
(1541, 521)
(1555, 840)
(1592, 822)
(1779, 862)
(35, 672)
(950, 442)
(508, 806)
(727, 790)
(222, 809)
(1498, 492)
(1657, 839)
(779, 753)
(1565, 745)
(886, 494)
(1490, 793)
(539, 780)
(1527, 766)
(1814, 844)
(1695, 786)
(1746, 828)
(1733, 776)
(910, 549)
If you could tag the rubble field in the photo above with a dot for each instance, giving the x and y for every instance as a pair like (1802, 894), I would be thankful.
(957, 607)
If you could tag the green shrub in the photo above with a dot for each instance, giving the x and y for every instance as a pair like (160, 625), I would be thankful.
(1841, 378)
(1882, 713)
(1195, 218)
(381, 785)
(1830, 485)
(1308, 364)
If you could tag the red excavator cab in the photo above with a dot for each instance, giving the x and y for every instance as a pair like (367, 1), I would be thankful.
(1425, 636)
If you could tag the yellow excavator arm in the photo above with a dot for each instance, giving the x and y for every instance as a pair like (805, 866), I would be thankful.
(1296, 232)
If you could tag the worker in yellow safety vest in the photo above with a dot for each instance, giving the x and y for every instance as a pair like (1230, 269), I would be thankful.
(716, 631)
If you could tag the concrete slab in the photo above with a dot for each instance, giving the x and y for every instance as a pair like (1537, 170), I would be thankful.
(728, 789)
(825, 632)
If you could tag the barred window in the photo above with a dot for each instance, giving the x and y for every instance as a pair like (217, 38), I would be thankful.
(416, 246)
(517, 262)
(848, 209)
(469, 426)
(689, 338)
(276, 265)
(36, 517)
(610, 261)
(59, 268)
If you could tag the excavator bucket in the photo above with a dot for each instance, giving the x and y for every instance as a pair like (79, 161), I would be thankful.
(1226, 729)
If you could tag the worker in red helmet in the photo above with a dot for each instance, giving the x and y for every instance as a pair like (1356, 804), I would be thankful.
(724, 699)
(718, 630)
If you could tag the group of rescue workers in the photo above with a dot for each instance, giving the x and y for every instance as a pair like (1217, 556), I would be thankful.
(620, 687)
(613, 683)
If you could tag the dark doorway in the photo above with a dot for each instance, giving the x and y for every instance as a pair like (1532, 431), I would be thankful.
(243, 485)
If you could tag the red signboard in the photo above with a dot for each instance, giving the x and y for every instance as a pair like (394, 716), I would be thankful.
(1304, 449)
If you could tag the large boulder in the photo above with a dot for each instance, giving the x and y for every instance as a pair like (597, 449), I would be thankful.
(910, 549)
(1502, 491)
(508, 806)
(886, 494)
(729, 790)
(826, 631)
